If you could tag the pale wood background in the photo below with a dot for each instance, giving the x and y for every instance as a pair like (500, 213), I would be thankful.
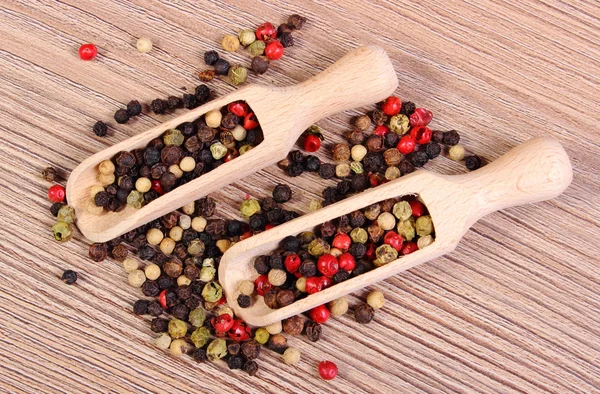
(513, 309)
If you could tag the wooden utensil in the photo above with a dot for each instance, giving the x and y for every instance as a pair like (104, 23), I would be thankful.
(362, 77)
(535, 171)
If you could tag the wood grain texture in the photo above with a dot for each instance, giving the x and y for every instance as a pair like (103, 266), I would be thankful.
(513, 309)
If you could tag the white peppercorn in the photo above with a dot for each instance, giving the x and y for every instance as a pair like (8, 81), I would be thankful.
(425, 241)
(152, 271)
(376, 299)
(358, 152)
(246, 287)
(189, 208)
(163, 341)
(179, 347)
(342, 170)
(185, 222)
(130, 264)
(386, 221)
(338, 307)
(106, 180)
(274, 328)
(106, 167)
(199, 223)
(154, 236)
(167, 245)
(176, 233)
(176, 170)
(187, 164)
(301, 284)
(143, 185)
(95, 190)
(239, 133)
(143, 45)
(136, 278)
(456, 153)
(183, 280)
(213, 118)
(291, 356)
(277, 277)
(392, 173)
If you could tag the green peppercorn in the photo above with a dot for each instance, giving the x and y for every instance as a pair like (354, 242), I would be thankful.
(173, 137)
(216, 350)
(246, 37)
(177, 328)
(245, 148)
(237, 74)
(218, 150)
(357, 167)
(257, 48)
(424, 226)
(372, 211)
(200, 336)
(402, 210)
(249, 207)
(359, 235)
(399, 124)
(385, 254)
(62, 231)
(305, 238)
(424, 242)
(196, 248)
(261, 336)
(66, 214)
(406, 229)
(212, 292)
(318, 247)
(207, 274)
(197, 317)
(135, 199)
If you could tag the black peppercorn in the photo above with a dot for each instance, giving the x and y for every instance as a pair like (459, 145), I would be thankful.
(360, 269)
(284, 28)
(406, 167)
(438, 136)
(261, 264)
(340, 276)
(259, 64)
(276, 262)
(69, 277)
(159, 106)
(308, 268)
(244, 301)
(206, 207)
(296, 21)
(295, 169)
(293, 325)
(159, 325)
(184, 292)
(290, 244)
(286, 39)
(119, 252)
(285, 298)
(166, 282)
(250, 349)
(312, 163)
(54, 208)
(451, 138)
(210, 57)
(221, 66)
(174, 102)
(171, 298)
(313, 331)
(235, 362)
(189, 101)
(372, 161)
(250, 367)
(289, 215)
(419, 158)
(391, 140)
(98, 251)
(282, 193)
(150, 288)
(146, 252)
(327, 171)
(407, 108)
(121, 116)
(100, 128)
(125, 159)
(277, 343)
(202, 93)
(379, 117)
(268, 204)
(270, 298)
(433, 150)
(101, 199)
(343, 187)
(199, 355)
(357, 250)
(473, 162)
(364, 313)
(275, 216)
(257, 222)
(180, 312)
(134, 108)
(140, 307)
(155, 309)
(234, 348)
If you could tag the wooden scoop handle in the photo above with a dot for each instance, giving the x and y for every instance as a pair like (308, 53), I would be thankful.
(536, 170)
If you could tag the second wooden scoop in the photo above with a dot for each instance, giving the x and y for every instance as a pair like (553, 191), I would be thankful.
(534, 171)
(363, 77)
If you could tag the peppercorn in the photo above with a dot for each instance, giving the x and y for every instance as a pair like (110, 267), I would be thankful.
(69, 277)
(295, 169)
(249, 207)
(250, 349)
(158, 324)
(291, 356)
(277, 343)
(257, 48)
(456, 153)
(379, 117)
(419, 158)
(473, 162)
(340, 152)
(189, 101)
(425, 241)
(119, 252)
(98, 251)
(244, 301)
(134, 108)
(136, 278)
(392, 157)
(210, 57)
(237, 74)
(406, 167)
(286, 39)
(221, 66)
(327, 171)
(121, 116)
(296, 21)
(216, 350)
(159, 106)
(180, 311)
(235, 362)
(406, 229)
(155, 309)
(250, 367)
(199, 355)
(230, 43)
(140, 307)
(364, 313)
(146, 252)
(374, 143)
(433, 150)
(451, 137)
(340, 276)
(54, 208)
(342, 170)
(100, 128)
(424, 225)
(293, 325)
(206, 75)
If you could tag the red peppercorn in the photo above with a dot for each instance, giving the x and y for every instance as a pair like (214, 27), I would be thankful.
(313, 284)
(328, 265)
(341, 241)
(409, 247)
(297, 274)
(391, 106)
(407, 144)
(87, 51)
(246, 234)
(312, 143)
(393, 239)
(370, 252)
(222, 323)
(240, 331)
(157, 187)
(222, 300)
(319, 314)
(374, 180)
(262, 285)
(327, 370)
(269, 226)
(347, 262)
(418, 209)
(266, 31)
(421, 117)
(238, 108)
(56, 193)
(421, 134)
(162, 298)
(381, 130)
(231, 154)
(250, 121)
(274, 50)
(325, 282)
(292, 263)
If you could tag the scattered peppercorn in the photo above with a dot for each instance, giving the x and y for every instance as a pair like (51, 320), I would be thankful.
(364, 313)
(69, 277)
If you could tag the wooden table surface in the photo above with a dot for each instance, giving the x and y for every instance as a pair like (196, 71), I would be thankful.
(513, 309)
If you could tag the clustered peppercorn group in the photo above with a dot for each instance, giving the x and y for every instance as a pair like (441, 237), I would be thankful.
(339, 250)
(182, 154)
(399, 143)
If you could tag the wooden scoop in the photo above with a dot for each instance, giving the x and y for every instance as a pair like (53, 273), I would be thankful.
(535, 171)
(362, 77)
